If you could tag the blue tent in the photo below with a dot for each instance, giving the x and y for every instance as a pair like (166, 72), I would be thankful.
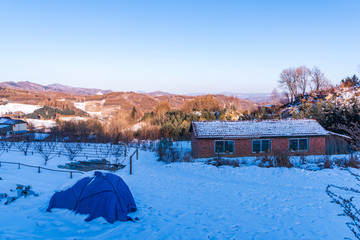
(103, 195)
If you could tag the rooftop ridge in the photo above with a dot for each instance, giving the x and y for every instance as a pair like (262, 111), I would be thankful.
(261, 120)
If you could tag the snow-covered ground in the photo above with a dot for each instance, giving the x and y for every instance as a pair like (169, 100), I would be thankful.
(18, 107)
(80, 105)
(42, 124)
(182, 201)
(73, 118)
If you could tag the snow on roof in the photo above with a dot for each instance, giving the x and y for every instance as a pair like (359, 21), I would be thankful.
(257, 129)
(339, 135)
(9, 121)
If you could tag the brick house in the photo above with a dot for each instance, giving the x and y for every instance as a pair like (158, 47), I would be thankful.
(253, 138)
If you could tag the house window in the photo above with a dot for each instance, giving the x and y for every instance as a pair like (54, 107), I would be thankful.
(224, 146)
(261, 145)
(299, 144)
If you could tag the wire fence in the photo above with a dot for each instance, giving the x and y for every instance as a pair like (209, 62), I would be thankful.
(39, 168)
(78, 152)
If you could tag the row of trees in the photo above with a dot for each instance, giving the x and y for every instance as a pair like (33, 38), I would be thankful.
(297, 81)
(50, 149)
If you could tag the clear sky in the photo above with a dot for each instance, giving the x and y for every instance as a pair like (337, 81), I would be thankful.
(176, 46)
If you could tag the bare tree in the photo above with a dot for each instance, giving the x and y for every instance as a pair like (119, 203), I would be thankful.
(103, 150)
(302, 78)
(118, 151)
(353, 131)
(275, 96)
(318, 79)
(2, 147)
(24, 146)
(288, 81)
(46, 149)
(8, 145)
(344, 197)
(73, 149)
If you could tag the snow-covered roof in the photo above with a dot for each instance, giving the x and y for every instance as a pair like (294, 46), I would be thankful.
(258, 129)
(9, 121)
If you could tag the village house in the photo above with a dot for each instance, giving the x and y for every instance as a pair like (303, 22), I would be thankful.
(10, 126)
(253, 138)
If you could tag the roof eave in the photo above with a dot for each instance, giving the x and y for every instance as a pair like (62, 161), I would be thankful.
(262, 136)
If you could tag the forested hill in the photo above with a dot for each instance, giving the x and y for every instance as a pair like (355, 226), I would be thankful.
(336, 108)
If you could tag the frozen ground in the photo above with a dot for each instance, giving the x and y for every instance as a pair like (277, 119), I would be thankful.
(183, 201)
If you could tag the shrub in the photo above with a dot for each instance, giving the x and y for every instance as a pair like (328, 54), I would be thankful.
(276, 159)
(282, 159)
(169, 154)
(223, 162)
(327, 162)
(353, 162)
(266, 160)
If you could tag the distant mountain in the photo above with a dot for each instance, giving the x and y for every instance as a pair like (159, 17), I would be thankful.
(254, 97)
(102, 102)
(34, 87)
(158, 94)
(147, 102)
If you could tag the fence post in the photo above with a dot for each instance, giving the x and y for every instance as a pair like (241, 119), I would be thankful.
(0, 164)
(70, 174)
(18, 165)
(38, 169)
(130, 165)
(137, 154)
(125, 150)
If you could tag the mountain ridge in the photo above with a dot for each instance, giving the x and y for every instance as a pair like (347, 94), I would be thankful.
(55, 87)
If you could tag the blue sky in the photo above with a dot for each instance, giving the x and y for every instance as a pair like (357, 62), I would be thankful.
(176, 46)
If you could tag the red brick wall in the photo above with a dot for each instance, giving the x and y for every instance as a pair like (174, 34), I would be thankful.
(203, 148)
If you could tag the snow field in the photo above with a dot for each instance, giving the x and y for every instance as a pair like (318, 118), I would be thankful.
(18, 107)
(182, 201)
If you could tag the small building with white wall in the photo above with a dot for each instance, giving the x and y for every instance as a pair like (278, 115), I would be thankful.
(12, 126)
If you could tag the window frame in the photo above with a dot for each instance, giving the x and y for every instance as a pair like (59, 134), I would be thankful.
(261, 144)
(233, 143)
(298, 145)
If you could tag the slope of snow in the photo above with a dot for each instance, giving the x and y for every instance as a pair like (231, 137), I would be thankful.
(80, 105)
(18, 107)
(182, 201)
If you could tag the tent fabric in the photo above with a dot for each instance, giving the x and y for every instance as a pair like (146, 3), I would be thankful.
(103, 195)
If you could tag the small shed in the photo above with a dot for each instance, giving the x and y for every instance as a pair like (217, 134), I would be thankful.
(253, 138)
(12, 126)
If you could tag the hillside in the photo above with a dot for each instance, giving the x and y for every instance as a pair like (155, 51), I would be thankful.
(28, 97)
(146, 103)
(337, 109)
(309, 104)
(102, 102)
